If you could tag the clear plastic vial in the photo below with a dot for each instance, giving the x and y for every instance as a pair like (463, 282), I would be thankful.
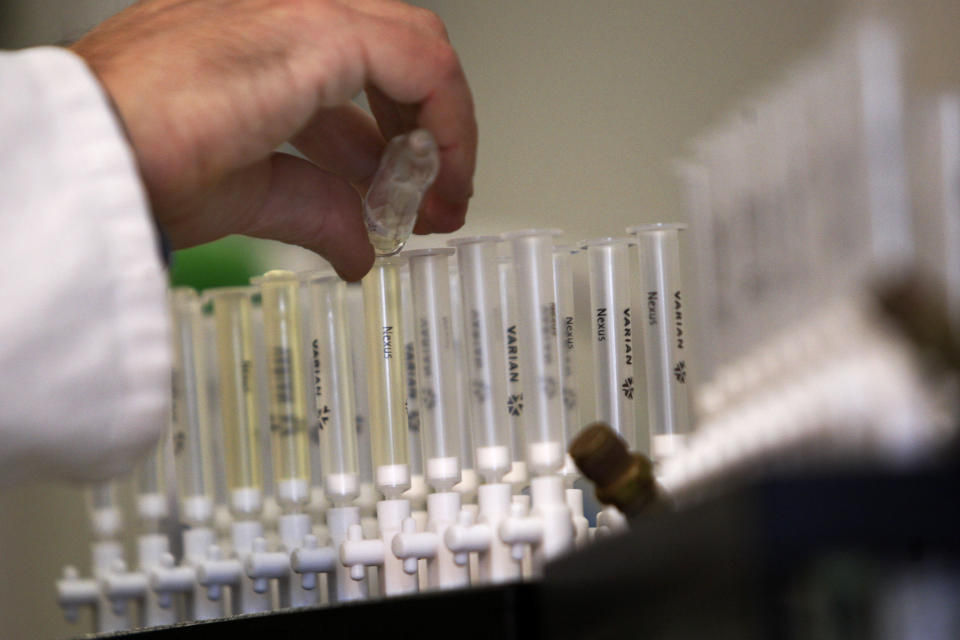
(664, 334)
(333, 390)
(385, 376)
(433, 327)
(482, 320)
(537, 306)
(283, 340)
(238, 399)
(192, 447)
(611, 325)
(408, 167)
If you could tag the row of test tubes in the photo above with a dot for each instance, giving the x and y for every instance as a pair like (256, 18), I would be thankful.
(806, 201)
(477, 341)
(838, 175)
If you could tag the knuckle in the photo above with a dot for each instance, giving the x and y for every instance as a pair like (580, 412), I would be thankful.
(445, 60)
(433, 23)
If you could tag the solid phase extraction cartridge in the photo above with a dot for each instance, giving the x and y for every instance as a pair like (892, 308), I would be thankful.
(435, 358)
(485, 359)
(664, 334)
(192, 447)
(290, 442)
(333, 388)
(612, 335)
(238, 399)
(537, 306)
(385, 376)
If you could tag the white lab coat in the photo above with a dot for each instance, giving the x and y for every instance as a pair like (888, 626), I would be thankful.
(84, 346)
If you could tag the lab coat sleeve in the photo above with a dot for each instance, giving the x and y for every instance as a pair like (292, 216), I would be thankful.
(84, 346)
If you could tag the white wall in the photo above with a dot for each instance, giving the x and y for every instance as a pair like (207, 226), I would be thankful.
(582, 105)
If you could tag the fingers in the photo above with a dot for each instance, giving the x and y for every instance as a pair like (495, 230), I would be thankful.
(343, 140)
(394, 119)
(208, 89)
(409, 68)
(414, 79)
(440, 216)
(314, 209)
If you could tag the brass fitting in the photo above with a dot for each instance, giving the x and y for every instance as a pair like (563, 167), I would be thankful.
(622, 478)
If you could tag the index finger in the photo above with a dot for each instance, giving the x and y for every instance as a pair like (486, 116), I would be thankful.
(408, 66)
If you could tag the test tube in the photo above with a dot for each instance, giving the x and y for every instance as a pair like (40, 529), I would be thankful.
(664, 334)
(566, 342)
(318, 498)
(410, 370)
(222, 516)
(333, 389)
(612, 335)
(192, 448)
(386, 384)
(103, 506)
(460, 368)
(149, 475)
(238, 399)
(358, 359)
(537, 304)
(290, 440)
(513, 366)
(263, 390)
(435, 359)
(483, 332)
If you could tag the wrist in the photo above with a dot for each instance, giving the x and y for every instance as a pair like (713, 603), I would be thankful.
(164, 247)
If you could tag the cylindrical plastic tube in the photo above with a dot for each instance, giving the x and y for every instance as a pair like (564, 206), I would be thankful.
(103, 506)
(358, 358)
(329, 338)
(192, 448)
(263, 390)
(435, 358)
(460, 368)
(414, 444)
(566, 341)
(283, 338)
(318, 498)
(537, 303)
(221, 492)
(483, 333)
(513, 365)
(151, 483)
(238, 399)
(221, 498)
(664, 334)
(386, 384)
(612, 335)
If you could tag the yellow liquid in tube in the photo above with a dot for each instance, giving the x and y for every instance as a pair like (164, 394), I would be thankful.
(288, 408)
(385, 376)
(238, 399)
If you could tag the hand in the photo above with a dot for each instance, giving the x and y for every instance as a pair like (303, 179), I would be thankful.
(207, 89)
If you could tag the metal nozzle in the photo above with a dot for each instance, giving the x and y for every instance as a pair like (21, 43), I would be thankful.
(622, 478)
